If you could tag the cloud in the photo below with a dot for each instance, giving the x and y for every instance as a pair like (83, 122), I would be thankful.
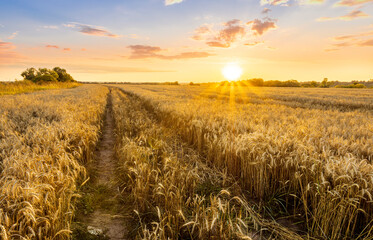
(58, 47)
(52, 46)
(232, 31)
(266, 10)
(111, 69)
(274, 2)
(354, 36)
(348, 17)
(144, 51)
(13, 35)
(50, 27)
(254, 43)
(367, 43)
(359, 40)
(311, 2)
(260, 27)
(91, 30)
(350, 3)
(170, 2)
(6, 55)
(6, 45)
(286, 2)
(201, 32)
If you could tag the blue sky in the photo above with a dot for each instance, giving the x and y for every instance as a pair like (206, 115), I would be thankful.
(304, 40)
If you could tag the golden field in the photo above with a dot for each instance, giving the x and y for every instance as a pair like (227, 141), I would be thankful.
(193, 162)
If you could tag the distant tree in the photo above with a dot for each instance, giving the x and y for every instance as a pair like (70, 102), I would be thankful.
(29, 74)
(325, 83)
(314, 84)
(258, 82)
(45, 78)
(291, 83)
(47, 75)
(63, 76)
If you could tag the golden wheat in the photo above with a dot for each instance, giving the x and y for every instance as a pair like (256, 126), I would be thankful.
(310, 149)
(45, 140)
(175, 195)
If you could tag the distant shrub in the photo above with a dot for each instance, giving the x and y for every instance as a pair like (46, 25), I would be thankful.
(358, 85)
(63, 76)
(47, 75)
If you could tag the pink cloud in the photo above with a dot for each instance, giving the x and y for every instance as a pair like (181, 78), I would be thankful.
(170, 2)
(232, 31)
(145, 51)
(6, 45)
(348, 17)
(91, 30)
(260, 27)
(6, 55)
(274, 2)
(266, 10)
(350, 3)
(52, 46)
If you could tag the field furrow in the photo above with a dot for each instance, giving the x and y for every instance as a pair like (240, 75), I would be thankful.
(314, 162)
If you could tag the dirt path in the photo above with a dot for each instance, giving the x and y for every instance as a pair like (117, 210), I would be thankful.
(107, 220)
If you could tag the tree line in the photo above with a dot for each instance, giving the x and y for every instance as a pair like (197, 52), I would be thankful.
(45, 75)
(259, 82)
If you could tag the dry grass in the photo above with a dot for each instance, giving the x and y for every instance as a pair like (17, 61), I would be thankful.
(11, 88)
(45, 140)
(175, 195)
(309, 149)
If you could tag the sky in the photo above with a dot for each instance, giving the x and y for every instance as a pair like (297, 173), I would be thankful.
(188, 40)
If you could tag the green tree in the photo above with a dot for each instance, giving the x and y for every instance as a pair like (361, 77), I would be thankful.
(324, 83)
(63, 76)
(29, 74)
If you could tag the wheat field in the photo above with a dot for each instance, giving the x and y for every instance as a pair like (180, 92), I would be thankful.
(192, 162)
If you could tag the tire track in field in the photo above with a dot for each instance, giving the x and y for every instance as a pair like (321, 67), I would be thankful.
(107, 221)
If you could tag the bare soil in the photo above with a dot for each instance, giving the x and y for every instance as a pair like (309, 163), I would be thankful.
(107, 214)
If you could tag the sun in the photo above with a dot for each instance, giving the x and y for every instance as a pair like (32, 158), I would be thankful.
(232, 71)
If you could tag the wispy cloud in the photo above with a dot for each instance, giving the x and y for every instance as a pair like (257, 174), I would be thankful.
(260, 27)
(6, 45)
(286, 2)
(363, 39)
(350, 3)
(50, 27)
(52, 46)
(58, 47)
(274, 2)
(251, 44)
(145, 51)
(348, 17)
(231, 32)
(266, 10)
(13, 35)
(170, 2)
(91, 30)
(7, 56)
(311, 2)
(367, 43)
(110, 69)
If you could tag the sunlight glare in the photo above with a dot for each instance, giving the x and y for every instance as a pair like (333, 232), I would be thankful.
(232, 71)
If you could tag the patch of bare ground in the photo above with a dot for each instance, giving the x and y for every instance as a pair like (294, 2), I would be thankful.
(100, 214)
